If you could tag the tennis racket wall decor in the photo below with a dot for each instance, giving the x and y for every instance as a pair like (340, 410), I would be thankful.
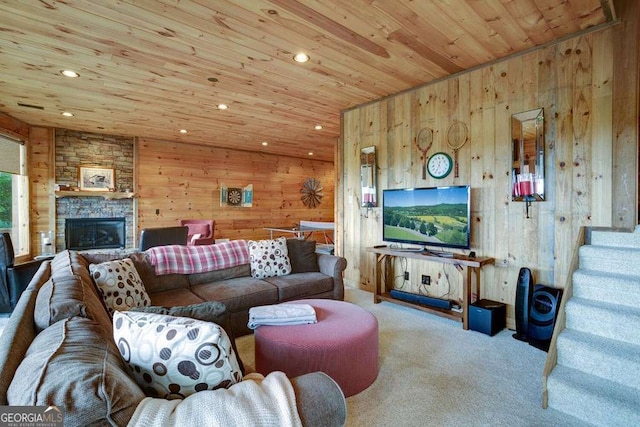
(424, 141)
(457, 136)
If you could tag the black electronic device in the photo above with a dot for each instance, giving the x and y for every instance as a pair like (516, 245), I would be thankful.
(524, 295)
(421, 299)
(428, 217)
(542, 315)
(486, 316)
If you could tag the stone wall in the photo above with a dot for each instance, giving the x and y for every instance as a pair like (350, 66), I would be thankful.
(74, 149)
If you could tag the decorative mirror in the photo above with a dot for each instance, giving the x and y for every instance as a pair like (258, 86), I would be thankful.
(368, 177)
(527, 136)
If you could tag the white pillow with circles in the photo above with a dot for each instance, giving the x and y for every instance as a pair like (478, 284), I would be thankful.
(173, 357)
(269, 258)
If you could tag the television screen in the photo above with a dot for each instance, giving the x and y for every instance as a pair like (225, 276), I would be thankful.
(433, 216)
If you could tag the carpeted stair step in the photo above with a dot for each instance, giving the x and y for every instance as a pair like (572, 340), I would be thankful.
(603, 357)
(592, 399)
(610, 260)
(624, 239)
(612, 288)
(607, 320)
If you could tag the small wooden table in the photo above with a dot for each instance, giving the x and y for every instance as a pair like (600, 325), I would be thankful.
(468, 267)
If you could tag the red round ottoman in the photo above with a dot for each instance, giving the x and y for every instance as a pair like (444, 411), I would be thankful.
(343, 344)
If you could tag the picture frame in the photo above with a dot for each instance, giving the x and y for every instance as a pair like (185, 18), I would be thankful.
(96, 178)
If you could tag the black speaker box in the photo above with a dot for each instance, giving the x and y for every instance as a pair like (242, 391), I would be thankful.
(524, 295)
(542, 315)
(487, 316)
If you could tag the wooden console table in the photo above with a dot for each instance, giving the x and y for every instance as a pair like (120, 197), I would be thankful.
(468, 267)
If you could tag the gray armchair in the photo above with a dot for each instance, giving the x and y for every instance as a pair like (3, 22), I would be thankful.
(14, 278)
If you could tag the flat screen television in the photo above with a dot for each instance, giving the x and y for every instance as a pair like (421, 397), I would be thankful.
(428, 217)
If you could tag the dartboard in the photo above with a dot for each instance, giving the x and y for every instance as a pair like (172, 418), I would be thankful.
(311, 192)
(234, 196)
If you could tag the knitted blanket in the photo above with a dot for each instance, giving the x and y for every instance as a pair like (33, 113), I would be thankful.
(182, 259)
(256, 401)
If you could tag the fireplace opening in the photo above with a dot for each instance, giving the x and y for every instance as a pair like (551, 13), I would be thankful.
(95, 233)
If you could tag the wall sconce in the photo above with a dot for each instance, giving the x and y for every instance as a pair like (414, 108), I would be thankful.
(525, 188)
(527, 135)
(368, 177)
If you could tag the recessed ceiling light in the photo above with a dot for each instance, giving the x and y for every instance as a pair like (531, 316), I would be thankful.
(222, 106)
(311, 153)
(265, 143)
(67, 114)
(183, 131)
(301, 57)
(69, 73)
(317, 127)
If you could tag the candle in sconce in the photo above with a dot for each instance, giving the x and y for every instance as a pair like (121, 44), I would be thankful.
(526, 188)
(525, 184)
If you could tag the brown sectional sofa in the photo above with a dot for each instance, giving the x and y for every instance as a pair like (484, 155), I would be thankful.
(58, 349)
(236, 288)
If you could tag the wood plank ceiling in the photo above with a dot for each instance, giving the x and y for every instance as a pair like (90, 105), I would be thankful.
(152, 67)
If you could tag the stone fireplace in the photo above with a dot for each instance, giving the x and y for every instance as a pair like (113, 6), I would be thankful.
(95, 233)
(87, 212)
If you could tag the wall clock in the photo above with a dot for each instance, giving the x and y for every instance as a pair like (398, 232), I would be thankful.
(439, 165)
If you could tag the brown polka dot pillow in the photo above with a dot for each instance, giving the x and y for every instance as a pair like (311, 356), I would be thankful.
(120, 285)
(173, 357)
(269, 258)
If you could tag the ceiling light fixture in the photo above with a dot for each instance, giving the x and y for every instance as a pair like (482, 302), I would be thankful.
(317, 127)
(183, 131)
(311, 153)
(265, 143)
(222, 106)
(69, 73)
(67, 114)
(301, 57)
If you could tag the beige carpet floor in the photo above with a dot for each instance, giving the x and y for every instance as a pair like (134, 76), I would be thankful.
(434, 373)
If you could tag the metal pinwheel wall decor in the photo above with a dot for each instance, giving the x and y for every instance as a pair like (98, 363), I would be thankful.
(311, 192)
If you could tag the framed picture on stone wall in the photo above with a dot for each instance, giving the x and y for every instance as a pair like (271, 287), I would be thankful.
(94, 178)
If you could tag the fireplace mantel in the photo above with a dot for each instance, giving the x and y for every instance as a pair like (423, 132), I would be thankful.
(107, 195)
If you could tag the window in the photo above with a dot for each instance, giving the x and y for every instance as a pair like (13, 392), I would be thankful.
(14, 194)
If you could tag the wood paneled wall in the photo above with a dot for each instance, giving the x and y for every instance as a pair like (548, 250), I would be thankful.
(176, 180)
(574, 82)
(42, 177)
(183, 181)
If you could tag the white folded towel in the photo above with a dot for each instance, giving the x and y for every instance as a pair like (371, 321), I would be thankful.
(281, 314)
